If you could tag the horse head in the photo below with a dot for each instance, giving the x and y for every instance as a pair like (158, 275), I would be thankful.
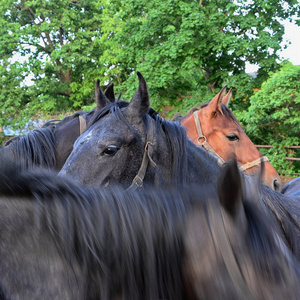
(216, 129)
(70, 128)
(129, 143)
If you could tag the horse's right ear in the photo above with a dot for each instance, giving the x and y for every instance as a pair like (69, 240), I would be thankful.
(226, 99)
(140, 102)
(230, 188)
(214, 105)
(101, 99)
(109, 92)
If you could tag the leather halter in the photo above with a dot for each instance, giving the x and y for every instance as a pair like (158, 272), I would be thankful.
(138, 180)
(205, 144)
(82, 124)
(220, 237)
(209, 148)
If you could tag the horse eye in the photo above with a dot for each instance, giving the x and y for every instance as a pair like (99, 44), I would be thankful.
(232, 137)
(111, 150)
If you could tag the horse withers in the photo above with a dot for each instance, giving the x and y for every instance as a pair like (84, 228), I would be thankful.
(215, 128)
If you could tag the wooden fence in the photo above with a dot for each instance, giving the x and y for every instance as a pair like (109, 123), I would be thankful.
(287, 158)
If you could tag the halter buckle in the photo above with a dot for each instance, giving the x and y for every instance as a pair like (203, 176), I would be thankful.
(137, 181)
(201, 137)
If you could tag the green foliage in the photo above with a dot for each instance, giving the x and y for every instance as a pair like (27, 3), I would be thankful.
(186, 49)
(172, 41)
(59, 43)
(274, 116)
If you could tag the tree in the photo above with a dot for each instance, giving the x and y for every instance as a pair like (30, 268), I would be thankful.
(187, 49)
(274, 116)
(59, 42)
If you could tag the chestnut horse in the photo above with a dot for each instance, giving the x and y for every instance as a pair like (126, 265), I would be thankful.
(215, 128)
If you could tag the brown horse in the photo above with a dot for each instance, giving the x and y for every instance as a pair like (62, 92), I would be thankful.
(215, 128)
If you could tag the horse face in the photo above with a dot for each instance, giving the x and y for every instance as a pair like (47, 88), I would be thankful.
(112, 148)
(226, 137)
(66, 133)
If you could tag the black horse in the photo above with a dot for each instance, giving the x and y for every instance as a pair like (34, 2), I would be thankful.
(50, 145)
(63, 241)
(292, 188)
(130, 144)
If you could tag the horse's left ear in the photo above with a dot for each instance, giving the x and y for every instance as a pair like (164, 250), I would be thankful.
(101, 99)
(109, 92)
(230, 188)
(214, 105)
(140, 102)
(226, 99)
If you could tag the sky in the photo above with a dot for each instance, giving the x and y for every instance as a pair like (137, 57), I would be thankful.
(292, 52)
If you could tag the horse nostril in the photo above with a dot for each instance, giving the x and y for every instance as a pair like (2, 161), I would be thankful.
(276, 185)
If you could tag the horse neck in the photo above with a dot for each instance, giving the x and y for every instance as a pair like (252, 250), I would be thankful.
(286, 213)
(202, 166)
(179, 160)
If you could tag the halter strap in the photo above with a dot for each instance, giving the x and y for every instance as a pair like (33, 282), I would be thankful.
(256, 162)
(205, 144)
(82, 124)
(209, 148)
(220, 237)
(138, 180)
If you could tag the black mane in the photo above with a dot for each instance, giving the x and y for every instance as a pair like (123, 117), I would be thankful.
(286, 211)
(175, 135)
(123, 239)
(133, 242)
(37, 148)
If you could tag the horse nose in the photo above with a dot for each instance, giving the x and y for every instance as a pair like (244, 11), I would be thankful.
(276, 184)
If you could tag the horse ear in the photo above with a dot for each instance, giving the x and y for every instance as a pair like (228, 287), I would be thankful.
(109, 92)
(226, 99)
(215, 104)
(230, 188)
(119, 97)
(140, 102)
(101, 99)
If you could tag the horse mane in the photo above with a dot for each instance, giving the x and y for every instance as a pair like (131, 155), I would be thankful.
(225, 109)
(267, 258)
(37, 148)
(179, 117)
(34, 149)
(128, 241)
(176, 138)
(285, 211)
(66, 119)
(132, 241)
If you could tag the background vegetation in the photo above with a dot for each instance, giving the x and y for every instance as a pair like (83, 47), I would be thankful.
(187, 50)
